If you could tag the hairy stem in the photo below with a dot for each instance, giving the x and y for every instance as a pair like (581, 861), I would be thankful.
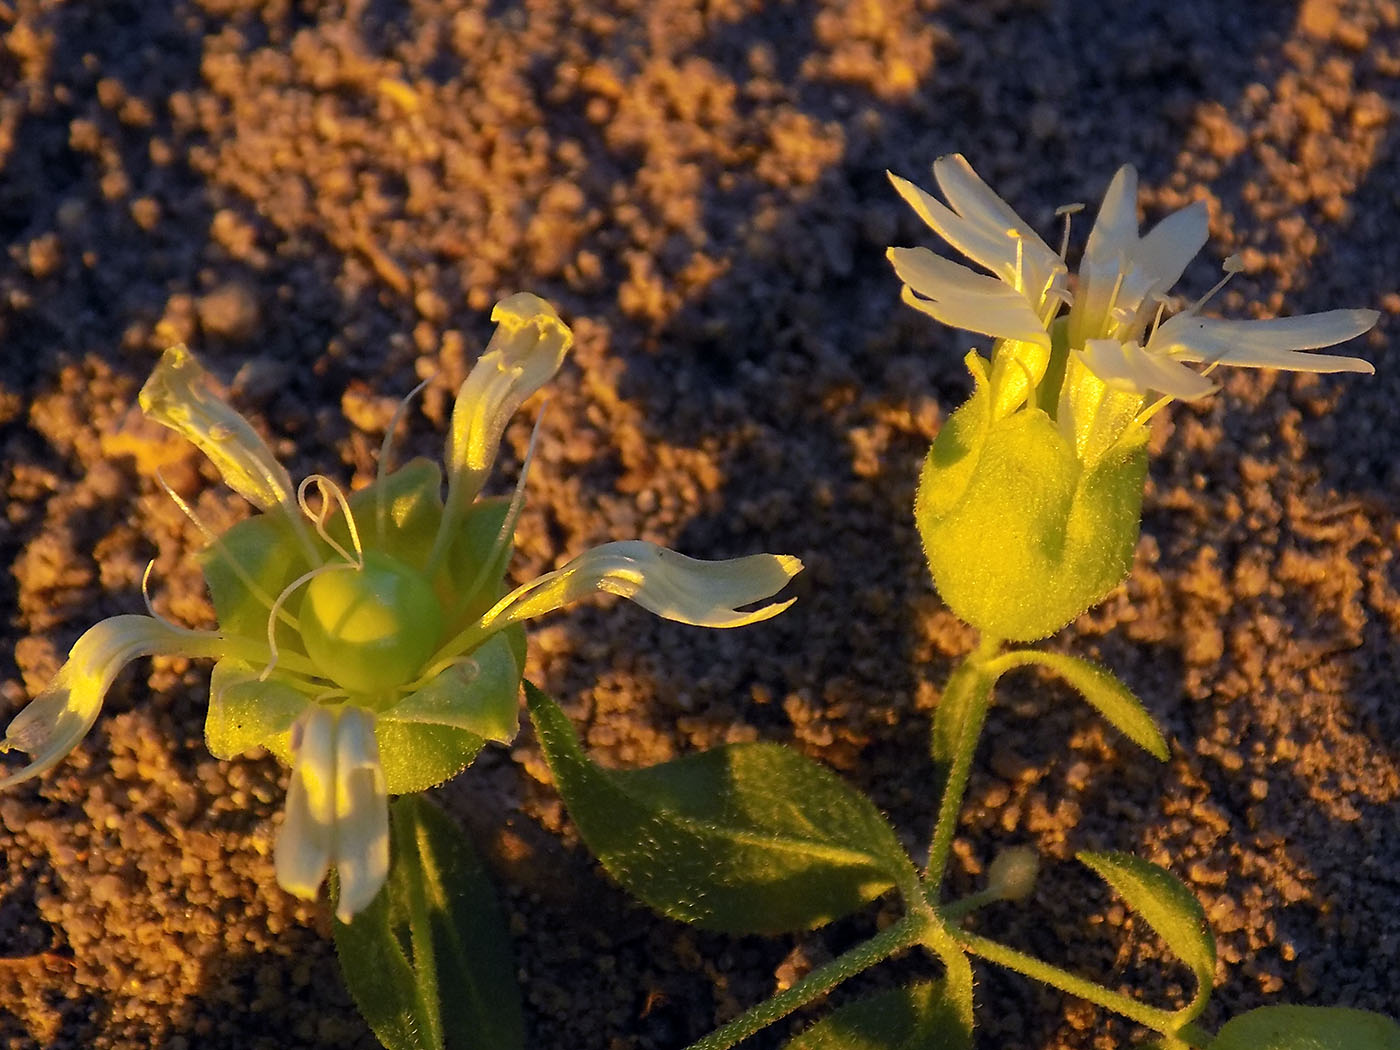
(957, 725)
(1164, 1021)
(895, 938)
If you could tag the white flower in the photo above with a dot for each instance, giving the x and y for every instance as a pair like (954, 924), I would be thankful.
(337, 634)
(1109, 361)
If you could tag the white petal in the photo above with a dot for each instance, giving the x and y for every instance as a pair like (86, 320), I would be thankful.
(993, 249)
(703, 593)
(1009, 317)
(973, 199)
(1166, 251)
(1115, 231)
(524, 353)
(303, 850)
(1129, 368)
(177, 396)
(937, 278)
(980, 205)
(361, 814)
(57, 719)
(1267, 344)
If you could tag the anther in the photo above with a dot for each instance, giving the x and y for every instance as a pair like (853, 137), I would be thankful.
(1066, 211)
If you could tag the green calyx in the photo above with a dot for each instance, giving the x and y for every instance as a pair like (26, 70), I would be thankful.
(368, 616)
(1020, 533)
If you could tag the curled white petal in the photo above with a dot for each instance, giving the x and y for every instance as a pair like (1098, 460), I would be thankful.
(337, 809)
(1267, 344)
(361, 814)
(303, 851)
(56, 720)
(177, 396)
(524, 353)
(703, 593)
(1003, 318)
(1129, 368)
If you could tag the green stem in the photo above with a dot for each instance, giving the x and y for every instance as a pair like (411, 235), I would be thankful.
(895, 938)
(1164, 1021)
(957, 724)
(955, 910)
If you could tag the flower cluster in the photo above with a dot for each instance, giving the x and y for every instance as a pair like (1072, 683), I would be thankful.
(370, 641)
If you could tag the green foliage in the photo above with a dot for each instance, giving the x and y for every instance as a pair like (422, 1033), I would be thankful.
(1020, 534)
(1308, 1028)
(921, 1016)
(428, 962)
(1101, 687)
(748, 838)
(1170, 909)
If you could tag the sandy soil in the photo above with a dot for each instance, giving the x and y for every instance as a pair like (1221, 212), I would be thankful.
(325, 199)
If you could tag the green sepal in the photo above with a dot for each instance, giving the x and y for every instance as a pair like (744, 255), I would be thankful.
(245, 713)
(1020, 537)
(269, 551)
(412, 501)
(1169, 908)
(921, 1016)
(476, 586)
(429, 961)
(747, 838)
(433, 734)
(1308, 1028)
(1102, 688)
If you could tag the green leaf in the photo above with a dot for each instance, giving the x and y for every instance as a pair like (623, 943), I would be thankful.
(920, 1017)
(245, 713)
(433, 734)
(1114, 700)
(1169, 908)
(436, 925)
(1308, 1028)
(749, 838)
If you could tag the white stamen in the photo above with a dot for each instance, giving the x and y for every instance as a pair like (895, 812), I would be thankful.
(325, 485)
(1066, 211)
(382, 470)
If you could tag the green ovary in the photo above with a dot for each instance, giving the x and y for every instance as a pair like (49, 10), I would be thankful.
(371, 629)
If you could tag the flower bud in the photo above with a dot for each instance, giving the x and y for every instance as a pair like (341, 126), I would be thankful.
(1024, 527)
(1012, 874)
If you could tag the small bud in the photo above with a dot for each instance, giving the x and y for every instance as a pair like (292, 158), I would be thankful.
(1012, 874)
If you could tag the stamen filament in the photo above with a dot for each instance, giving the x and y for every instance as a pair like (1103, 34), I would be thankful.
(217, 543)
(323, 484)
(381, 508)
